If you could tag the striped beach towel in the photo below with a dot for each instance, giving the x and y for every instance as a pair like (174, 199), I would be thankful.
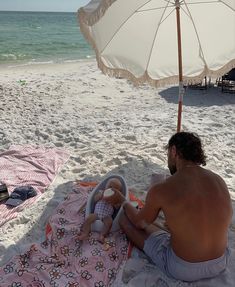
(28, 165)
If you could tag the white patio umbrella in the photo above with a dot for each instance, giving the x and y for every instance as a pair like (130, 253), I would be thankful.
(161, 41)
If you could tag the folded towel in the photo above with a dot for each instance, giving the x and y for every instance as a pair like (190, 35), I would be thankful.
(36, 166)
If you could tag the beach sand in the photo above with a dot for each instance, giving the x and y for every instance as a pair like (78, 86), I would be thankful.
(108, 126)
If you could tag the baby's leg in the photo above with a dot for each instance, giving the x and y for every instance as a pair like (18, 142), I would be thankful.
(108, 221)
(86, 227)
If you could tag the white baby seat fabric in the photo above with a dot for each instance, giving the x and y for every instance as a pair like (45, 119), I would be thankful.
(98, 224)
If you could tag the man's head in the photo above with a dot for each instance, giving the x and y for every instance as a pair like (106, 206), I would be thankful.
(114, 183)
(185, 146)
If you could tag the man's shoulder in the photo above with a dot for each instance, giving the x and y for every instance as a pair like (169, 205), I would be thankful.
(161, 188)
(214, 176)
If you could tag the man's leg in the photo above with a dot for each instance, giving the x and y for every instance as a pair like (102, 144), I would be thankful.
(135, 235)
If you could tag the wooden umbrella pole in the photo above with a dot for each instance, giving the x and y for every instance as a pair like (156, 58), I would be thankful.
(181, 87)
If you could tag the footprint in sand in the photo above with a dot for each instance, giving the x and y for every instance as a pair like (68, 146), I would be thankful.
(59, 144)
(78, 170)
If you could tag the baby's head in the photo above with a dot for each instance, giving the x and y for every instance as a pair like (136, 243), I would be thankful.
(114, 183)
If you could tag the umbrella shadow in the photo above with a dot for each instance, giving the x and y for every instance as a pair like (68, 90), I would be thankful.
(141, 171)
(199, 98)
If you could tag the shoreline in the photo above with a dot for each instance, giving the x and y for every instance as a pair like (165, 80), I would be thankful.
(12, 65)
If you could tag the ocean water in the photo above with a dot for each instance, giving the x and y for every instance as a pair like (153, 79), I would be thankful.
(36, 37)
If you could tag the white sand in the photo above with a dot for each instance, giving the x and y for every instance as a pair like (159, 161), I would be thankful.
(109, 127)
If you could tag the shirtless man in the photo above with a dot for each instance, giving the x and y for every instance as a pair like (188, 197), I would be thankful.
(197, 208)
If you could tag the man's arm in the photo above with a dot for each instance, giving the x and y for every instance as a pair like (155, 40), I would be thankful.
(145, 216)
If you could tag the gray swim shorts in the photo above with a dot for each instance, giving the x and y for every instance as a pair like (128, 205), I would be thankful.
(157, 248)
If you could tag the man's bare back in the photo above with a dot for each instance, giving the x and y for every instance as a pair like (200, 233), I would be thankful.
(198, 211)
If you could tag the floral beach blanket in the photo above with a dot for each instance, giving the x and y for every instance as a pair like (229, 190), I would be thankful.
(64, 261)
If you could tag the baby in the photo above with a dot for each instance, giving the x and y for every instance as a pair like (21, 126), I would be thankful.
(103, 211)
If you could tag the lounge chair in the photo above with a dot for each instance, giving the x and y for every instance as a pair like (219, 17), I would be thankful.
(203, 85)
(228, 82)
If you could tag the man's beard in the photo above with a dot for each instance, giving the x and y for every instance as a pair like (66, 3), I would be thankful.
(172, 169)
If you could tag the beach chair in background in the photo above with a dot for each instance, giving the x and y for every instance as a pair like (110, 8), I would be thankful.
(203, 85)
(227, 82)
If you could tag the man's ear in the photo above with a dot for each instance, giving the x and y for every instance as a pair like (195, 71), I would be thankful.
(173, 150)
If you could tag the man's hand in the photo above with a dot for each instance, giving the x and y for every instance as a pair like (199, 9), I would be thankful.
(115, 200)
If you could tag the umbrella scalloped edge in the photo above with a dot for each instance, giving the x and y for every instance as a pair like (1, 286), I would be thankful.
(86, 19)
(145, 78)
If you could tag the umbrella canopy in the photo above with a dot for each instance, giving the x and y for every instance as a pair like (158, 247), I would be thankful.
(161, 41)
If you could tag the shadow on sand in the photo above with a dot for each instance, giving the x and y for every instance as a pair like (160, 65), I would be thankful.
(199, 98)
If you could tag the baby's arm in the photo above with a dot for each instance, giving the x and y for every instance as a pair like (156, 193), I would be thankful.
(98, 195)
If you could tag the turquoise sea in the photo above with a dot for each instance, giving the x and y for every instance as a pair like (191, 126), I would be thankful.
(35, 37)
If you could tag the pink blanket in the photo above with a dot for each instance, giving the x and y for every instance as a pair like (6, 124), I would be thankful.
(28, 165)
(64, 261)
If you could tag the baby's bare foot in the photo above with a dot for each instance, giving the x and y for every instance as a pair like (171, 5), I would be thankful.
(82, 236)
(101, 238)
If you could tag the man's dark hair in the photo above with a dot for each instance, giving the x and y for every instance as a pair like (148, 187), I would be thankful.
(188, 146)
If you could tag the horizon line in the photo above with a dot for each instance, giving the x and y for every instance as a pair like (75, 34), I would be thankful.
(39, 11)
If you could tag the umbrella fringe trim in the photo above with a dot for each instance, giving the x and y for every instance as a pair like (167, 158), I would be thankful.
(120, 73)
(92, 18)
